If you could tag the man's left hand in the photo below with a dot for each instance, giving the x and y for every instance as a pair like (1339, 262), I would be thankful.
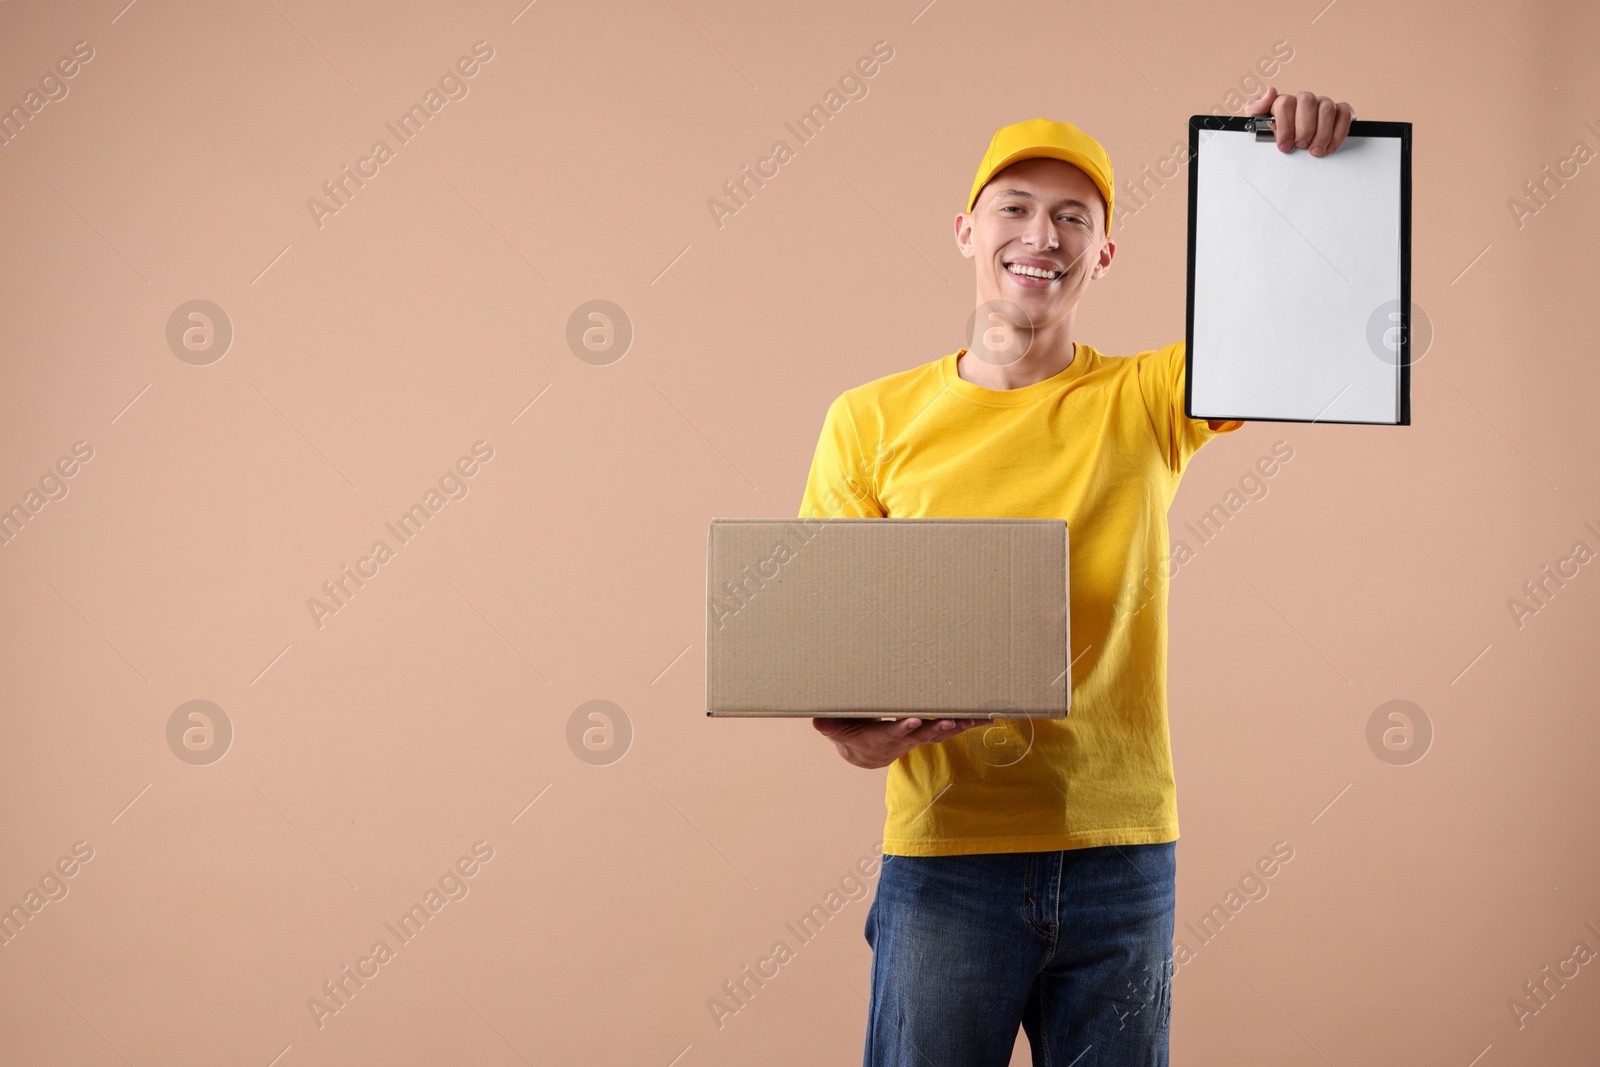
(1304, 120)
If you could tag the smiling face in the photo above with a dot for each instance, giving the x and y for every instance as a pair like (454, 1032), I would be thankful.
(1037, 235)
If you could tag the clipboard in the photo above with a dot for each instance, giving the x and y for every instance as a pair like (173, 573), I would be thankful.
(1299, 288)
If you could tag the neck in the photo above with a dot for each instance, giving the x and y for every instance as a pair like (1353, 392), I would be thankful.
(1050, 353)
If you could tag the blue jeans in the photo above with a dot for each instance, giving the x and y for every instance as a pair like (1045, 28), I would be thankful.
(1075, 946)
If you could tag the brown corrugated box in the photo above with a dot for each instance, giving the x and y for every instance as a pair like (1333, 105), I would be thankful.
(866, 618)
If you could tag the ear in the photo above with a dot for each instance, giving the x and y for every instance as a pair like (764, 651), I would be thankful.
(963, 234)
(1103, 263)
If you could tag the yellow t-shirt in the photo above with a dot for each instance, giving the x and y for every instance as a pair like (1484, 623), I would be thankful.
(1102, 445)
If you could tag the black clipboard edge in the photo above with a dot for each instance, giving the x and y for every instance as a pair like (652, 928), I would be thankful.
(1358, 128)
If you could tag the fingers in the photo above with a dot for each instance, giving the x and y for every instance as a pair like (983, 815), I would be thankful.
(1263, 103)
(1341, 127)
(1305, 118)
(933, 730)
(841, 728)
(1327, 115)
(897, 727)
(900, 735)
(1283, 122)
(942, 729)
(874, 743)
(1309, 121)
(909, 733)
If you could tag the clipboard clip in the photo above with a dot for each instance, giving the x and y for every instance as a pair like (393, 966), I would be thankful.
(1264, 126)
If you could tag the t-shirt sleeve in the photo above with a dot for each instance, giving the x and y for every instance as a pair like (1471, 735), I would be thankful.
(842, 482)
(1162, 377)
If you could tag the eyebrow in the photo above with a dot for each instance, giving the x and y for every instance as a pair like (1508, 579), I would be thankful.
(1029, 196)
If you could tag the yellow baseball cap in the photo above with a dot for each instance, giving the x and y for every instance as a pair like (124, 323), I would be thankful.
(1045, 139)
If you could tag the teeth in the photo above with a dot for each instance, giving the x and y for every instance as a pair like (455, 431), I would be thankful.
(1033, 272)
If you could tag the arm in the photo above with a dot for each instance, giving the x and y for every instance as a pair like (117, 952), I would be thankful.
(843, 484)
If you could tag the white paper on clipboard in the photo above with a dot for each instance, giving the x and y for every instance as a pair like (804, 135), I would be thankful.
(1294, 256)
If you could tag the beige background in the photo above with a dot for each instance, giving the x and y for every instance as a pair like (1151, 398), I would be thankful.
(368, 354)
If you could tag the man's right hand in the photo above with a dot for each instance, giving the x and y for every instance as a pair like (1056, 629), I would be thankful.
(874, 743)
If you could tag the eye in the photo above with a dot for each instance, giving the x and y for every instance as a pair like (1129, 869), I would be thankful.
(1011, 207)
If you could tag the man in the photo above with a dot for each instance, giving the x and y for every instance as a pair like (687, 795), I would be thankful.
(1028, 867)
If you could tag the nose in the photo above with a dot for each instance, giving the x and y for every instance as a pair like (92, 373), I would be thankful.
(1041, 233)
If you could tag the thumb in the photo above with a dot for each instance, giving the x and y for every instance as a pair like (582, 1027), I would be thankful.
(1262, 104)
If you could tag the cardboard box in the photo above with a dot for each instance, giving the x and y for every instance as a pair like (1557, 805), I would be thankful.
(872, 618)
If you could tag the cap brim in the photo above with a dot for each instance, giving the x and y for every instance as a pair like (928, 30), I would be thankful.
(1047, 152)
